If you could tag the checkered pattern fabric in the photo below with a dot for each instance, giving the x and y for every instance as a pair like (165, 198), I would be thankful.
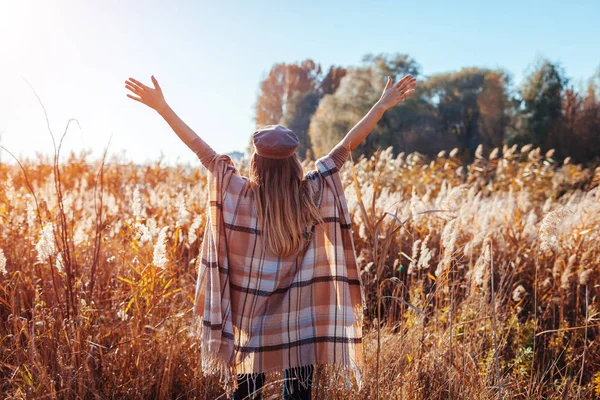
(257, 312)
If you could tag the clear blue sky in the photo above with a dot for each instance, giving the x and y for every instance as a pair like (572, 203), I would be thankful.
(210, 57)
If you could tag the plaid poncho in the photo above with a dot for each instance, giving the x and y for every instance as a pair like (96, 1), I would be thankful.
(256, 312)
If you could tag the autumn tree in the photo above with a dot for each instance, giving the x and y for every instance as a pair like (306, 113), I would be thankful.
(332, 80)
(577, 134)
(589, 125)
(495, 109)
(282, 83)
(290, 95)
(464, 109)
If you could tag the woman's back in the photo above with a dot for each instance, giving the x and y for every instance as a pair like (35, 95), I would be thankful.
(282, 312)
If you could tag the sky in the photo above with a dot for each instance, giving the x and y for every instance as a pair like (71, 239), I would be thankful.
(209, 58)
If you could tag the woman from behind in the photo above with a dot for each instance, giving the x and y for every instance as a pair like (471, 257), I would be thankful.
(278, 287)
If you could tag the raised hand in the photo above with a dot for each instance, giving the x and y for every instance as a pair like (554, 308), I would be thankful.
(153, 98)
(393, 95)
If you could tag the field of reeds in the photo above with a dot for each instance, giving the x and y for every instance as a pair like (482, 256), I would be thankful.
(482, 279)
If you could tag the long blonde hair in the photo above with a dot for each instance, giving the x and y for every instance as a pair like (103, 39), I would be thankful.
(284, 202)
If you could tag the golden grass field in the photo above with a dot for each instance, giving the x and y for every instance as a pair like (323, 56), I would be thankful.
(98, 267)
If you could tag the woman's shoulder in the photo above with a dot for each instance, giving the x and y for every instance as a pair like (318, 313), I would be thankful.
(224, 173)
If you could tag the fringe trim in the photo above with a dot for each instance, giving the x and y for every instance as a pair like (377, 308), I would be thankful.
(256, 392)
(330, 375)
(213, 364)
(327, 375)
(301, 374)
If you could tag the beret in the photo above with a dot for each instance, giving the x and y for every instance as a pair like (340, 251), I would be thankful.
(275, 141)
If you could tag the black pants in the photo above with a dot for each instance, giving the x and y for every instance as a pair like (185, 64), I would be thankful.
(292, 389)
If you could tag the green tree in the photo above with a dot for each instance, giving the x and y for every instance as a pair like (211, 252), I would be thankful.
(414, 126)
(338, 112)
(454, 95)
(394, 65)
(359, 89)
(298, 114)
(541, 109)
(469, 107)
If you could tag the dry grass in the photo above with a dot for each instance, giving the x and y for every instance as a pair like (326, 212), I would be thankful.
(502, 256)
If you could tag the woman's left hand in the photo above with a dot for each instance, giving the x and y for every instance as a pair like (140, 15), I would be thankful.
(153, 98)
(394, 94)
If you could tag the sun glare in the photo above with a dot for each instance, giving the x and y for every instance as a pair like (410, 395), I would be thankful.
(27, 29)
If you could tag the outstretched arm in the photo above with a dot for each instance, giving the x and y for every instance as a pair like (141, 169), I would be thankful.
(391, 97)
(154, 98)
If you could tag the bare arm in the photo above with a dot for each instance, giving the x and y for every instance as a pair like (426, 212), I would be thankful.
(204, 152)
(391, 96)
(154, 98)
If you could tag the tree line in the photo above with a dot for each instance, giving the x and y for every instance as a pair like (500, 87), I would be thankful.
(462, 109)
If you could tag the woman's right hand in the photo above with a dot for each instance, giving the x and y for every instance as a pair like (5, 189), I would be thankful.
(393, 95)
(153, 98)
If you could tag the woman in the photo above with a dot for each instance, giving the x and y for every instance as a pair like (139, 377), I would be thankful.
(278, 287)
